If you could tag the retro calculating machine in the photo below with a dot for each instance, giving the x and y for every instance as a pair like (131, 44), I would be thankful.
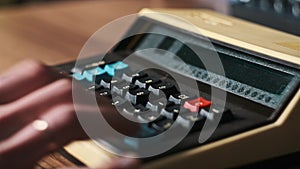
(260, 118)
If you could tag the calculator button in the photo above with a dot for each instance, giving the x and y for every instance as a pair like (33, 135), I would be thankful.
(107, 83)
(279, 6)
(121, 88)
(118, 101)
(77, 76)
(165, 87)
(156, 104)
(215, 111)
(178, 98)
(161, 124)
(112, 68)
(138, 96)
(146, 81)
(91, 74)
(132, 77)
(134, 110)
(196, 104)
(296, 8)
(171, 111)
(191, 120)
(148, 117)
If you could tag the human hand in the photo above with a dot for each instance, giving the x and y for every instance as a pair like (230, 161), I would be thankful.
(31, 91)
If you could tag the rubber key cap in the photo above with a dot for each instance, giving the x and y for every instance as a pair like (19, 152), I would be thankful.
(196, 104)
(178, 98)
(132, 77)
(138, 96)
(91, 74)
(156, 104)
(165, 87)
(145, 82)
(171, 111)
(161, 124)
(78, 76)
(121, 88)
(192, 121)
(107, 83)
(112, 68)
(130, 109)
(215, 112)
(148, 117)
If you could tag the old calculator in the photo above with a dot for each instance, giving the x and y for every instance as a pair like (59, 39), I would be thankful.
(259, 120)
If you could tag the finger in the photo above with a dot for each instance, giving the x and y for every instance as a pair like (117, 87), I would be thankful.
(23, 78)
(30, 144)
(20, 112)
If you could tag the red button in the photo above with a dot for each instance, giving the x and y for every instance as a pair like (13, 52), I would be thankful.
(196, 104)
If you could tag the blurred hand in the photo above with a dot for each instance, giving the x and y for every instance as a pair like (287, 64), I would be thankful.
(30, 91)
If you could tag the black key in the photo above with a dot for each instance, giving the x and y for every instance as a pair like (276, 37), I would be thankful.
(148, 117)
(145, 82)
(138, 96)
(134, 110)
(122, 87)
(165, 87)
(107, 83)
(171, 111)
(194, 121)
(215, 111)
(178, 98)
(156, 104)
(132, 77)
(104, 76)
(161, 124)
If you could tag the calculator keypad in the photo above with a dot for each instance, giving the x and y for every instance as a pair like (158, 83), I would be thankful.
(152, 100)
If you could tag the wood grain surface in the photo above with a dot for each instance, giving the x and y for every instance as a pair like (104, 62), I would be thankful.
(54, 32)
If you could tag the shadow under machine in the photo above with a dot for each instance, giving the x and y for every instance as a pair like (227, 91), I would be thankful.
(260, 115)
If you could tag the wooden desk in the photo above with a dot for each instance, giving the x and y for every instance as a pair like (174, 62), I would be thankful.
(55, 32)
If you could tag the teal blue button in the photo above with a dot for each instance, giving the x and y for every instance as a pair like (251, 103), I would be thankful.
(91, 73)
(77, 76)
(111, 68)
